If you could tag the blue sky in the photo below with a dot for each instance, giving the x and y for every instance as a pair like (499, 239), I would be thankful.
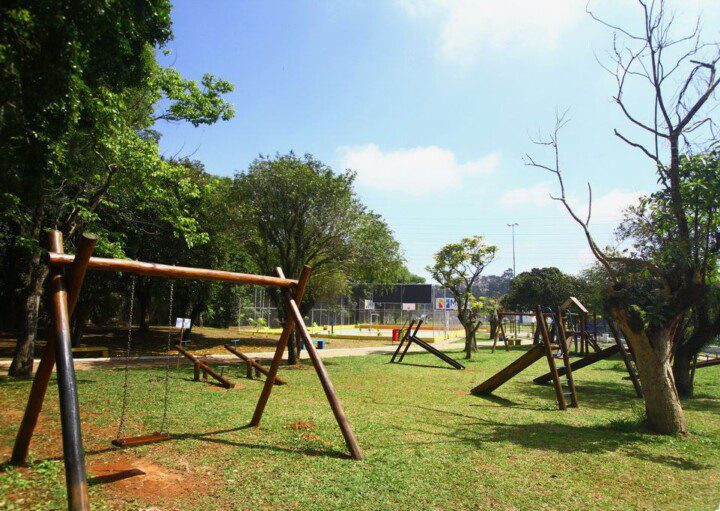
(433, 104)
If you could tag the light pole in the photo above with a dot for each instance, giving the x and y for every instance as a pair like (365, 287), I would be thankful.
(512, 226)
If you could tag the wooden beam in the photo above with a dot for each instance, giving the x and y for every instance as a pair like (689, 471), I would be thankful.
(73, 452)
(253, 363)
(548, 347)
(405, 337)
(708, 363)
(58, 260)
(47, 362)
(516, 367)
(580, 363)
(280, 348)
(327, 385)
(206, 368)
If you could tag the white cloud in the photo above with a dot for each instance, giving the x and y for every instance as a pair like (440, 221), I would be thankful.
(470, 28)
(610, 206)
(536, 195)
(606, 208)
(416, 171)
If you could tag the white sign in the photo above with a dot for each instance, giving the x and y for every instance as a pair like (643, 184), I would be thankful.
(369, 305)
(445, 304)
(182, 323)
(408, 306)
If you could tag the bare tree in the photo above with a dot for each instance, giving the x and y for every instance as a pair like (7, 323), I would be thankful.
(680, 73)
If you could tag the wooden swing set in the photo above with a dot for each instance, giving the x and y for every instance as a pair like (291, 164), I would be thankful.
(67, 273)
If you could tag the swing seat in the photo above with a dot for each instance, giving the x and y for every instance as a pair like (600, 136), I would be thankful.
(135, 441)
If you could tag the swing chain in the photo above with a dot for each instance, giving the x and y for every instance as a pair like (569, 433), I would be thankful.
(163, 425)
(128, 347)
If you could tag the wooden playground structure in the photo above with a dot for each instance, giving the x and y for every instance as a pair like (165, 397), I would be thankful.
(574, 316)
(619, 347)
(552, 352)
(67, 273)
(410, 337)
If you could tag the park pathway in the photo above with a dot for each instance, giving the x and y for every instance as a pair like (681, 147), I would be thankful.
(82, 364)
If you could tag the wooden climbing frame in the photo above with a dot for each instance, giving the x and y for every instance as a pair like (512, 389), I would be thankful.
(67, 273)
(500, 330)
(547, 349)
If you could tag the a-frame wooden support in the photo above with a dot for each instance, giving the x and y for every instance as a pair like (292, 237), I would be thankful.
(411, 337)
(65, 292)
(67, 273)
(500, 333)
(546, 348)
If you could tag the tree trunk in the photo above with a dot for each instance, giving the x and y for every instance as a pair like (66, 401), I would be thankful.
(653, 349)
(80, 319)
(493, 326)
(143, 296)
(293, 348)
(27, 327)
(682, 369)
(469, 334)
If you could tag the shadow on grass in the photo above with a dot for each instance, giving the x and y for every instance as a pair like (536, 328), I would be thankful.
(608, 396)
(561, 438)
(414, 364)
(210, 436)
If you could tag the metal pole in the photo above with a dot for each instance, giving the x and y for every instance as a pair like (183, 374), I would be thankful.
(512, 226)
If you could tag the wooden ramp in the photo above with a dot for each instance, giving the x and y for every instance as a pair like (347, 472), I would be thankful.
(583, 362)
(516, 367)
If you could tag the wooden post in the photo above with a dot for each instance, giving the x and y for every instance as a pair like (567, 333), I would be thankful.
(280, 349)
(327, 385)
(565, 349)
(47, 362)
(542, 326)
(73, 453)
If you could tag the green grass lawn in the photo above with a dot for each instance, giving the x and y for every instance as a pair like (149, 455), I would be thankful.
(428, 444)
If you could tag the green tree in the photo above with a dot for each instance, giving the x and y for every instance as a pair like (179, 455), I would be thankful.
(678, 109)
(80, 94)
(296, 211)
(650, 225)
(549, 287)
(458, 267)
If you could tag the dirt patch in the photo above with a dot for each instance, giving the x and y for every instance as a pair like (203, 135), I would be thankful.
(297, 367)
(12, 416)
(462, 392)
(313, 437)
(136, 479)
(302, 425)
(214, 386)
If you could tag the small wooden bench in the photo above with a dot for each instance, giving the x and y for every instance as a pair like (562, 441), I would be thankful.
(104, 351)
